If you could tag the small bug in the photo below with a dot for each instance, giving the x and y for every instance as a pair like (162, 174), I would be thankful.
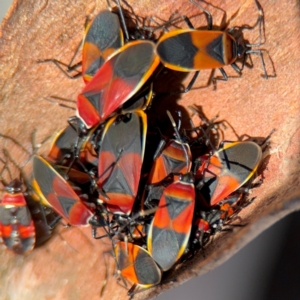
(70, 144)
(172, 159)
(103, 35)
(24, 221)
(227, 170)
(121, 76)
(120, 160)
(136, 264)
(58, 194)
(215, 219)
(17, 226)
(172, 156)
(171, 226)
(189, 50)
(170, 229)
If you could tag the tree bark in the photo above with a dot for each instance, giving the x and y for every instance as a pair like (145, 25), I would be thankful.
(72, 265)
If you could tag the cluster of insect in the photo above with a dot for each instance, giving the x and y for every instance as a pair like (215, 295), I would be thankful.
(158, 193)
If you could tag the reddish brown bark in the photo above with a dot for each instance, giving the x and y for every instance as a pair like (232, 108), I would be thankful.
(71, 264)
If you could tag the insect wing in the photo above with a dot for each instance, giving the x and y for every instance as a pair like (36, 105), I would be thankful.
(55, 191)
(137, 265)
(190, 50)
(121, 76)
(233, 165)
(63, 144)
(172, 160)
(17, 227)
(120, 160)
(103, 37)
(171, 226)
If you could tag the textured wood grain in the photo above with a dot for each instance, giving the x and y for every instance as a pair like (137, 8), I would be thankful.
(71, 265)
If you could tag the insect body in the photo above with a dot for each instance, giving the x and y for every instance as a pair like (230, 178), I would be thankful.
(16, 224)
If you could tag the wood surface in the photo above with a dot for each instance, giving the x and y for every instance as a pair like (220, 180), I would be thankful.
(71, 265)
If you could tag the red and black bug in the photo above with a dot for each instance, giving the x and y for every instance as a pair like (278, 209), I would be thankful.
(216, 218)
(121, 76)
(136, 264)
(120, 160)
(227, 170)
(71, 144)
(55, 192)
(221, 175)
(62, 145)
(24, 221)
(170, 229)
(16, 224)
(172, 159)
(171, 226)
(203, 226)
(209, 49)
(103, 35)
(78, 206)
